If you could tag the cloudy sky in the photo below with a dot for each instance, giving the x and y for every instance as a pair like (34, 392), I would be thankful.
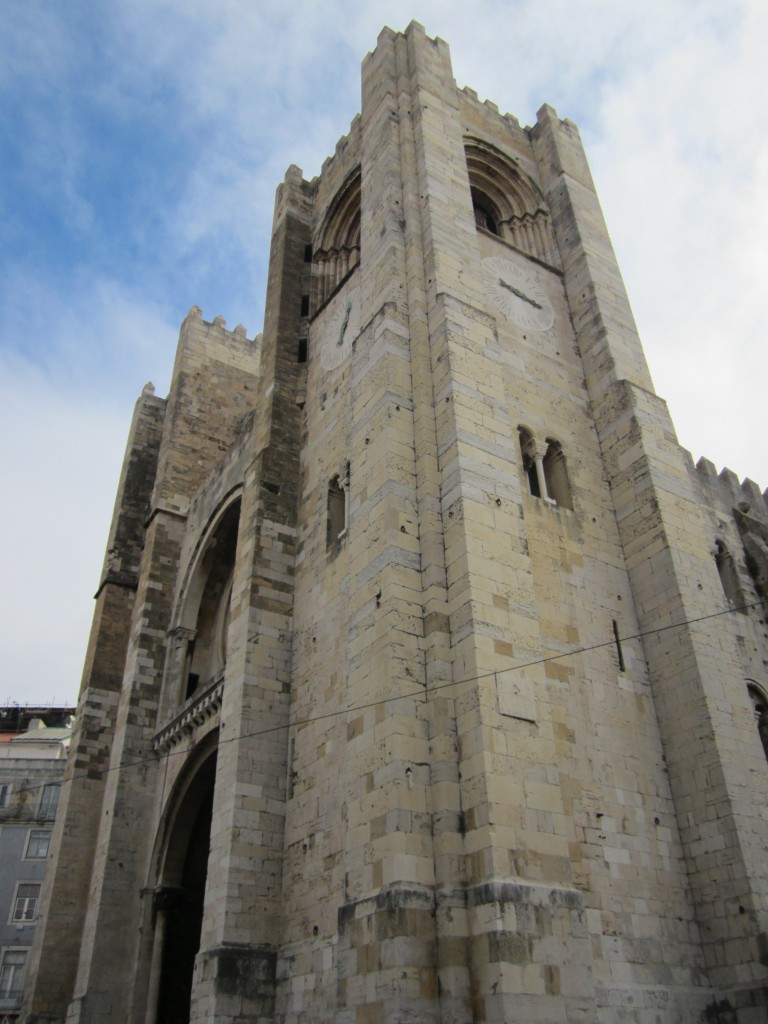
(142, 141)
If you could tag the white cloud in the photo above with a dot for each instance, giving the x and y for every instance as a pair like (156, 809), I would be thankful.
(62, 460)
(683, 176)
(64, 417)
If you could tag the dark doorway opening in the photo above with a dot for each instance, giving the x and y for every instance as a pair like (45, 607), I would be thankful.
(182, 902)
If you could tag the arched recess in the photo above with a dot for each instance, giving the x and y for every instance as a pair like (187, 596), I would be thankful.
(556, 474)
(205, 610)
(506, 202)
(729, 577)
(528, 452)
(181, 857)
(760, 709)
(337, 251)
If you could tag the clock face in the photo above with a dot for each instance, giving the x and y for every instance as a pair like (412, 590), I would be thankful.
(518, 294)
(342, 329)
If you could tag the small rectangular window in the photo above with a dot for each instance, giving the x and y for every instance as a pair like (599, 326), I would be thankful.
(307, 253)
(5, 792)
(38, 843)
(25, 904)
(302, 353)
(11, 973)
(49, 801)
(305, 305)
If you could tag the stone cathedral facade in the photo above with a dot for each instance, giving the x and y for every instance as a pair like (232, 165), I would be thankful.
(427, 679)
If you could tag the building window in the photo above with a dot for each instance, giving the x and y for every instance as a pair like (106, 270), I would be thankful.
(5, 792)
(337, 522)
(25, 904)
(38, 843)
(49, 801)
(484, 215)
(545, 469)
(530, 452)
(760, 709)
(556, 475)
(506, 201)
(11, 973)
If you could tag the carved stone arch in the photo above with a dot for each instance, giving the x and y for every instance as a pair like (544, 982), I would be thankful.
(511, 202)
(202, 617)
(180, 868)
(175, 817)
(337, 250)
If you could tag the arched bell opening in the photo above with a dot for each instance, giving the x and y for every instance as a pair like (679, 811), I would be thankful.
(180, 895)
(206, 612)
(506, 202)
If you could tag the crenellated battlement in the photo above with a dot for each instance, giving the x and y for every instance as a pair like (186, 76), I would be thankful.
(238, 333)
(342, 150)
(727, 492)
(488, 111)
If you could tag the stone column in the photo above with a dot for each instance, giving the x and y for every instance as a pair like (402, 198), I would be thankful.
(536, 450)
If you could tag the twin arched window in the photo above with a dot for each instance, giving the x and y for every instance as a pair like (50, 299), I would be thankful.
(545, 469)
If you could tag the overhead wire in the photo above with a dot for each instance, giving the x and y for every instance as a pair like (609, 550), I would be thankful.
(421, 692)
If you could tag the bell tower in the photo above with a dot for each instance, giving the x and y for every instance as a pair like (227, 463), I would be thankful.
(433, 634)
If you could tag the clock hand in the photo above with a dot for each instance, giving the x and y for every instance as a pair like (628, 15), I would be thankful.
(343, 330)
(520, 295)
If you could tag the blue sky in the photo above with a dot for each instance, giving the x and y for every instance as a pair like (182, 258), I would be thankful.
(141, 144)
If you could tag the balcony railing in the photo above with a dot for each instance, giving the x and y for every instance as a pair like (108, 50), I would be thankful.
(202, 705)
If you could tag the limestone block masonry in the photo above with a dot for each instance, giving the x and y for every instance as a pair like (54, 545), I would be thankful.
(427, 679)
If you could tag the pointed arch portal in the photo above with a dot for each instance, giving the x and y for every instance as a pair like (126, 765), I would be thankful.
(180, 897)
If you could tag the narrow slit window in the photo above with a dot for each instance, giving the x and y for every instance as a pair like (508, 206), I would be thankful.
(336, 501)
(527, 451)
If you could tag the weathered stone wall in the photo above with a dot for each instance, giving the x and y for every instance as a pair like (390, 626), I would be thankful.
(485, 744)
